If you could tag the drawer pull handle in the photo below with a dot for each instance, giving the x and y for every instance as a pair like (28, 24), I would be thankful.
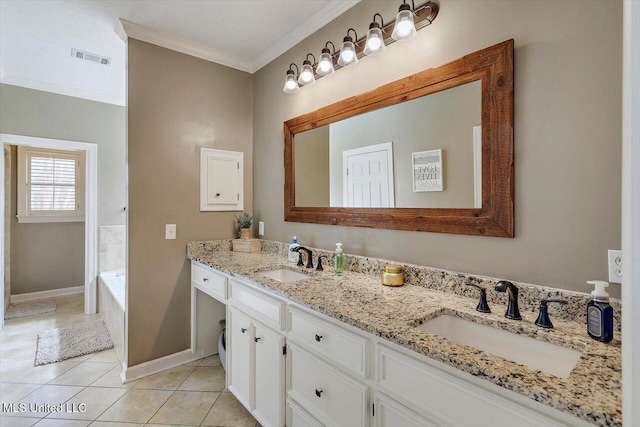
(217, 194)
(318, 337)
(205, 279)
(318, 393)
(243, 330)
(256, 339)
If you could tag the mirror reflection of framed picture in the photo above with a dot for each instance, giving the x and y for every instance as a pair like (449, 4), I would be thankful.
(427, 170)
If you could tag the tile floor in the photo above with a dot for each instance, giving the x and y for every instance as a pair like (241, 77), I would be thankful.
(190, 395)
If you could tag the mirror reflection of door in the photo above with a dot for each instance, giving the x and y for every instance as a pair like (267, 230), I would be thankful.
(368, 177)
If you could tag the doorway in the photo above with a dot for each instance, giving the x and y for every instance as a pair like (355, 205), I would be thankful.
(90, 152)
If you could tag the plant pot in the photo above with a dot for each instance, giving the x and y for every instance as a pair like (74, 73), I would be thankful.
(245, 233)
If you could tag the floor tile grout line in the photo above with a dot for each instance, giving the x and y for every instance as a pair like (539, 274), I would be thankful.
(163, 403)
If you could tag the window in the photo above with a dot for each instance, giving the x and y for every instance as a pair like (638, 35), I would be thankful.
(50, 185)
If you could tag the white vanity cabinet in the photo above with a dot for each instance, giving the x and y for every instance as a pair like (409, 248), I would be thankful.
(255, 354)
(334, 374)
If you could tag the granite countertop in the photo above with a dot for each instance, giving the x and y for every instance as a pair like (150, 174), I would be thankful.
(392, 313)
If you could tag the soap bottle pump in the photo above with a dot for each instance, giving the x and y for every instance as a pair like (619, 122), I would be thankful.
(338, 259)
(293, 256)
(599, 313)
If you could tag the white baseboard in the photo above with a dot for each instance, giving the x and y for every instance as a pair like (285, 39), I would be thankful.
(157, 365)
(47, 294)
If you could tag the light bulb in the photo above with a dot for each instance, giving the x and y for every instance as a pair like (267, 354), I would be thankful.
(306, 74)
(347, 52)
(347, 56)
(290, 84)
(324, 66)
(405, 28)
(375, 41)
(306, 77)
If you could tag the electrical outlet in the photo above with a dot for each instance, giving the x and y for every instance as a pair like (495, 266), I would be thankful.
(615, 266)
(169, 231)
(260, 228)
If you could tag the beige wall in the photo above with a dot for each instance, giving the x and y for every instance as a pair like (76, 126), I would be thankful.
(177, 104)
(312, 167)
(51, 256)
(48, 115)
(43, 256)
(567, 136)
(442, 120)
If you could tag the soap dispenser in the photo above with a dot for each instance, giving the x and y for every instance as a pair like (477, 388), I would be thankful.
(599, 313)
(338, 259)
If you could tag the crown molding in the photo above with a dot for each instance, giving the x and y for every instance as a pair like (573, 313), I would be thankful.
(327, 14)
(179, 44)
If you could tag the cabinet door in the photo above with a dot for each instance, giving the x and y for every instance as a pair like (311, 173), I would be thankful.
(239, 356)
(389, 413)
(269, 375)
(221, 180)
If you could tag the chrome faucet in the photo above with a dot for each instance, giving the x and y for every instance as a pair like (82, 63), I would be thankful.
(309, 256)
(512, 295)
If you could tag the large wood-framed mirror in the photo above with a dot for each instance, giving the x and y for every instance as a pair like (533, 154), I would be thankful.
(430, 152)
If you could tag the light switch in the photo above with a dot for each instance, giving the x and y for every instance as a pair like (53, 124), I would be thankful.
(170, 232)
(260, 228)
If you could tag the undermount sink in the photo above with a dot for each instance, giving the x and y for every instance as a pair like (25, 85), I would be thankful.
(536, 354)
(283, 275)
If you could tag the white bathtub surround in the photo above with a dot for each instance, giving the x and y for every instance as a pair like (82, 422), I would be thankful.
(112, 248)
(111, 303)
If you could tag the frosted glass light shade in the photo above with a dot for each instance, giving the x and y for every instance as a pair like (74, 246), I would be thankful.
(375, 42)
(290, 83)
(325, 65)
(405, 28)
(348, 54)
(306, 74)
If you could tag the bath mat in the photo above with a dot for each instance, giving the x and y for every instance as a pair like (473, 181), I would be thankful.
(30, 308)
(64, 343)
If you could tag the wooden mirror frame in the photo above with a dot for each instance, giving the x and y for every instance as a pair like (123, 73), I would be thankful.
(494, 67)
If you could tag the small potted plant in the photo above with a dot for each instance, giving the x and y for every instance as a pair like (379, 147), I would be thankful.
(244, 224)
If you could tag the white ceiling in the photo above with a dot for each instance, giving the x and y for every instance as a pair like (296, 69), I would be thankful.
(36, 37)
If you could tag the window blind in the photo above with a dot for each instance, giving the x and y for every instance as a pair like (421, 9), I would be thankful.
(52, 183)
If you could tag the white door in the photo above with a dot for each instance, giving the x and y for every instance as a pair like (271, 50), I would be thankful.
(269, 384)
(368, 177)
(240, 340)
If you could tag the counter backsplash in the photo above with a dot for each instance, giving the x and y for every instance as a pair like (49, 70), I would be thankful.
(529, 295)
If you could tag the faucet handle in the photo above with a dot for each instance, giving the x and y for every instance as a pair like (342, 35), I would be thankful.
(483, 306)
(319, 267)
(300, 263)
(543, 319)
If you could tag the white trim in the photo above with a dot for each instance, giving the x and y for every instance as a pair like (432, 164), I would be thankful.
(179, 44)
(90, 214)
(318, 20)
(157, 365)
(62, 90)
(631, 213)
(477, 167)
(49, 218)
(47, 294)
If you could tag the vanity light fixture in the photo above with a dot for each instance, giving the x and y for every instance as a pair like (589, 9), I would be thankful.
(405, 28)
(325, 65)
(380, 35)
(348, 54)
(290, 82)
(375, 41)
(307, 74)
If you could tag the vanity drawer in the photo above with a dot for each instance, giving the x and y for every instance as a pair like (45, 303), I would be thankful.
(214, 284)
(332, 342)
(332, 397)
(439, 396)
(262, 307)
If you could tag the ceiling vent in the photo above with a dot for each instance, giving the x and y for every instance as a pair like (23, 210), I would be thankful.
(92, 57)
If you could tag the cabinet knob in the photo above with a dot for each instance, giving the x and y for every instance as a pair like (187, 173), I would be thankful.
(205, 279)
(318, 393)
(256, 339)
(243, 330)
(217, 194)
(318, 337)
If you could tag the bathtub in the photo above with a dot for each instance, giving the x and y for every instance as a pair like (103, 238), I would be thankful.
(111, 306)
